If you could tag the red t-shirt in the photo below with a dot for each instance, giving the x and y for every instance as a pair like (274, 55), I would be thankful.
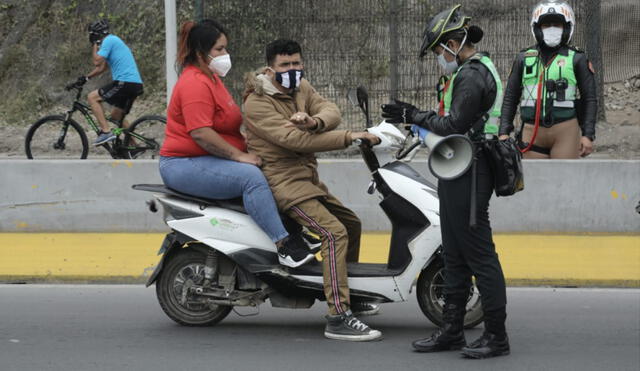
(198, 101)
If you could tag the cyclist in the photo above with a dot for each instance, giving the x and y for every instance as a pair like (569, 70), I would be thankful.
(110, 51)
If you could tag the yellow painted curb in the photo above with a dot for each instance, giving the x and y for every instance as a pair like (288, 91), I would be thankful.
(564, 260)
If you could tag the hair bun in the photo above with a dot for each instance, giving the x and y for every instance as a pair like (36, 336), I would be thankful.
(475, 34)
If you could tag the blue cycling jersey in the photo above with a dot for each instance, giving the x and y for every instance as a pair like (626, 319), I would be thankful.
(120, 60)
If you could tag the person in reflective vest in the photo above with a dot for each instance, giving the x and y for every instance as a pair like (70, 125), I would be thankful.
(553, 84)
(469, 105)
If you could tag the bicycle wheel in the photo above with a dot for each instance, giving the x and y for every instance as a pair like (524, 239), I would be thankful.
(144, 137)
(52, 137)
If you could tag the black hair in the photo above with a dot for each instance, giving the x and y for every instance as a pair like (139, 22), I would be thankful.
(196, 39)
(281, 47)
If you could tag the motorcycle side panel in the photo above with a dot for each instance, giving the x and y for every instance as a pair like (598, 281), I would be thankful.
(225, 230)
(423, 197)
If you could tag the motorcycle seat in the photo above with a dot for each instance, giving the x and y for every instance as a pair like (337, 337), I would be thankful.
(234, 204)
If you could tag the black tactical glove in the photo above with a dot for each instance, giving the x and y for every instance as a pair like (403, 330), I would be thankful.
(399, 112)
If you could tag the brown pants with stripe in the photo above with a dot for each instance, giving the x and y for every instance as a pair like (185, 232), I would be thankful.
(340, 229)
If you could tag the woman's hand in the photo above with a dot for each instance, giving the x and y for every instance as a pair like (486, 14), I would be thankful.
(503, 137)
(248, 158)
(586, 147)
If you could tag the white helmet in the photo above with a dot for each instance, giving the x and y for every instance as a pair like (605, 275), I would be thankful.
(553, 11)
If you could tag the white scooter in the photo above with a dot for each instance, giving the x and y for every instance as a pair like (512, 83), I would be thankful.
(217, 258)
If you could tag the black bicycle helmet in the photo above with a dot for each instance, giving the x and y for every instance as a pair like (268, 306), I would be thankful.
(100, 27)
(441, 24)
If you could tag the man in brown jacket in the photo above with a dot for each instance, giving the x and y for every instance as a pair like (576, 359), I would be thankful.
(287, 122)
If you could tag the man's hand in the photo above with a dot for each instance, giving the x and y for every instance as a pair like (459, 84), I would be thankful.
(399, 112)
(365, 135)
(302, 121)
(586, 147)
(503, 137)
(82, 80)
(248, 158)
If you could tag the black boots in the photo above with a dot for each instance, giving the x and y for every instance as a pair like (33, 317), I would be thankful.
(493, 342)
(488, 345)
(449, 337)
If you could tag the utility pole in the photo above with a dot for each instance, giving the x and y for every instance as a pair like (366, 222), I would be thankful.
(199, 9)
(393, 49)
(171, 45)
(593, 36)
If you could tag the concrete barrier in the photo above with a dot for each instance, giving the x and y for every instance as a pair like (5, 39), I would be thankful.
(96, 196)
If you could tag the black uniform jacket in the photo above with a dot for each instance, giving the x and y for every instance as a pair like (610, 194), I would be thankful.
(586, 87)
(474, 91)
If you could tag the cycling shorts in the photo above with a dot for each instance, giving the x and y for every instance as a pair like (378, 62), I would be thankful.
(121, 94)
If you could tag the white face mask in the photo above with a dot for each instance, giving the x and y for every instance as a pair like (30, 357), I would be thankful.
(220, 64)
(448, 67)
(451, 67)
(552, 36)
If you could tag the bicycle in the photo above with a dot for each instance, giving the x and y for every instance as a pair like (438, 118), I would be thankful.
(60, 136)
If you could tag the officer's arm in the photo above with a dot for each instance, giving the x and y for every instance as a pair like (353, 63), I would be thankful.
(588, 93)
(465, 110)
(512, 95)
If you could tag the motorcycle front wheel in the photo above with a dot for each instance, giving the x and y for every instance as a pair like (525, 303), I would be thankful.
(430, 293)
(178, 300)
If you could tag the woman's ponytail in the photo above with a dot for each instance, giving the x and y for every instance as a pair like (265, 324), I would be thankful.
(183, 44)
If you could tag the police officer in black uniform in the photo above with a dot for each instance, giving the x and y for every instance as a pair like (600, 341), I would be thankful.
(544, 82)
(470, 106)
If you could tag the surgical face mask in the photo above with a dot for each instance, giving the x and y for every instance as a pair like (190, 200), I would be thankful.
(289, 79)
(552, 36)
(448, 67)
(220, 64)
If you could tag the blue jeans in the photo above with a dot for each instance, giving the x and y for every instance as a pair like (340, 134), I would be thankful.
(218, 178)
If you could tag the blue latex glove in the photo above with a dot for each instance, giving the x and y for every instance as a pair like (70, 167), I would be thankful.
(419, 131)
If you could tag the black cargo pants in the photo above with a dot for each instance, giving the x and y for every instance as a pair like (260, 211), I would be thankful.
(470, 251)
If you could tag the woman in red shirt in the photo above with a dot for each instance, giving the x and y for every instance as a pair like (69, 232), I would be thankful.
(204, 153)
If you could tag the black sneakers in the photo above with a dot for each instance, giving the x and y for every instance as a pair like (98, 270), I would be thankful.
(294, 252)
(312, 242)
(364, 309)
(347, 327)
(488, 345)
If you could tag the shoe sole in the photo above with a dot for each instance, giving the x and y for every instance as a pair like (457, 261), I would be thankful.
(436, 350)
(292, 264)
(375, 335)
(104, 141)
(473, 355)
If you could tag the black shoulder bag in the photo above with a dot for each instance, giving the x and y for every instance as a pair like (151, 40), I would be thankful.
(506, 162)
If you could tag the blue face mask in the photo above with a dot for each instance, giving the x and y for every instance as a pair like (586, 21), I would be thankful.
(290, 79)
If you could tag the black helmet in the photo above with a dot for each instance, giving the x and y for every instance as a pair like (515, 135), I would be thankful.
(440, 24)
(100, 27)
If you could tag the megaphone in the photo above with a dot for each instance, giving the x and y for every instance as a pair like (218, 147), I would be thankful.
(450, 157)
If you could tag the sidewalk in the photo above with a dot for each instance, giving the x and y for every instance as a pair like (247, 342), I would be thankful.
(601, 260)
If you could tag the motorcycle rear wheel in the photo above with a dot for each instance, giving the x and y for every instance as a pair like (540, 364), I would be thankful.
(430, 295)
(179, 303)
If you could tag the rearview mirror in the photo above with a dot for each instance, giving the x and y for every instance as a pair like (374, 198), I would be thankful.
(360, 97)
